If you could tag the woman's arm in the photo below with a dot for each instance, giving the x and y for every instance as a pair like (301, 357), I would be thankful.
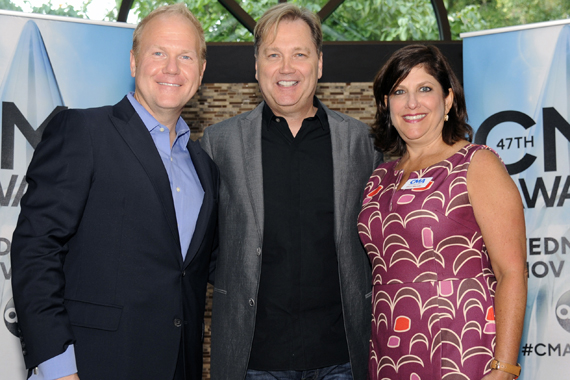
(499, 212)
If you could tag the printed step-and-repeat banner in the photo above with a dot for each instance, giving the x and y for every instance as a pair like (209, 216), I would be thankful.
(517, 87)
(47, 63)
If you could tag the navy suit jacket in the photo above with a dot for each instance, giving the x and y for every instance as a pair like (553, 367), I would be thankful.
(96, 258)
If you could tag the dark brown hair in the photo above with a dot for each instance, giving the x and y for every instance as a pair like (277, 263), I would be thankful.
(395, 71)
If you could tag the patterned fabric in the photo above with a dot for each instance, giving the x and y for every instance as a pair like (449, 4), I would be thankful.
(432, 310)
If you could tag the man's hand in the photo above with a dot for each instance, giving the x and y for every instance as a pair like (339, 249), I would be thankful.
(70, 377)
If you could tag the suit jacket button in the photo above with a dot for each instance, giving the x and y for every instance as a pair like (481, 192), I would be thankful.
(258, 251)
(177, 322)
(251, 302)
(24, 352)
(183, 273)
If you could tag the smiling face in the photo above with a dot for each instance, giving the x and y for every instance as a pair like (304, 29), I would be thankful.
(167, 68)
(288, 68)
(418, 107)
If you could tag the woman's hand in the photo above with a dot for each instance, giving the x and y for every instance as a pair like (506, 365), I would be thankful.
(498, 375)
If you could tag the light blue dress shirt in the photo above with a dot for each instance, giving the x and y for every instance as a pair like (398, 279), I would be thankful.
(187, 194)
(187, 191)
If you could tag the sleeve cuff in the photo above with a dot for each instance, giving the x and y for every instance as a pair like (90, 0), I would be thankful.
(56, 367)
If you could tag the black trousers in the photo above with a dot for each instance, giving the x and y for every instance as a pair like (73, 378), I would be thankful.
(179, 373)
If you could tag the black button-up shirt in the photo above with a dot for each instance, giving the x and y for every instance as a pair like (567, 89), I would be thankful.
(299, 322)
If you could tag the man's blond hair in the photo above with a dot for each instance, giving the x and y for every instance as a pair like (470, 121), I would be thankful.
(270, 20)
(170, 10)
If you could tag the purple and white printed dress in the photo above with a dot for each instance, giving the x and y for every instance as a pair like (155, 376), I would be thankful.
(432, 305)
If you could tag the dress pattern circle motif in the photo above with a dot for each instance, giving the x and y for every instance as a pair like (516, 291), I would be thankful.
(433, 285)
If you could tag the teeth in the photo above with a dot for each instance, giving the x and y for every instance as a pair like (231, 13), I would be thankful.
(287, 83)
(415, 117)
(169, 84)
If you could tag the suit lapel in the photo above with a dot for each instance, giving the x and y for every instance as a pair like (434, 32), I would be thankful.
(133, 131)
(205, 175)
(250, 128)
(340, 140)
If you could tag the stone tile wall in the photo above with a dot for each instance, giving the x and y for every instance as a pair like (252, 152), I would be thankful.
(219, 101)
(215, 102)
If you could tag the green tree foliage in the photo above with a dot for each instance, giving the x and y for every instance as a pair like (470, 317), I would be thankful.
(50, 9)
(376, 20)
(472, 15)
(219, 24)
(62, 10)
(9, 6)
(381, 20)
(353, 20)
(466, 19)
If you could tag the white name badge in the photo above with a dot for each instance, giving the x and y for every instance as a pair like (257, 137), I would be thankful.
(417, 183)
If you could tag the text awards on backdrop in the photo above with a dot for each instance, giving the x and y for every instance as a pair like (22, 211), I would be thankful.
(517, 86)
(46, 64)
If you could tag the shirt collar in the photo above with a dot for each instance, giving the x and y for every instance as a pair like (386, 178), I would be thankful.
(321, 115)
(150, 122)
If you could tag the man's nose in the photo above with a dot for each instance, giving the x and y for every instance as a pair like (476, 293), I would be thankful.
(171, 66)
(286, 66)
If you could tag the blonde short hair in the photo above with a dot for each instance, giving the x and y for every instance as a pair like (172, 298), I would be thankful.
(170, 10)
(290, 12)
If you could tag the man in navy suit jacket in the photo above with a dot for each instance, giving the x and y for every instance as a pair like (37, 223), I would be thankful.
(112, 250)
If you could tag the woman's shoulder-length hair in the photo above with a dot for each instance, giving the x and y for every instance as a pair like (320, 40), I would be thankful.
(394, 71)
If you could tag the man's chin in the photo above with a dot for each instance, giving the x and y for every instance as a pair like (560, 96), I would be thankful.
(285, 103)
(172, 104)
(292, 106)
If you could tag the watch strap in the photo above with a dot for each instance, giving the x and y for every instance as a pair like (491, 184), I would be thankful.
(506, 367)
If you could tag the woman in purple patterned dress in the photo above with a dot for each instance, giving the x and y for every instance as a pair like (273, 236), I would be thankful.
(444, 229)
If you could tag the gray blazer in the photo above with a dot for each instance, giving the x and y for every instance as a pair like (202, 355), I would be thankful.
(235, 146)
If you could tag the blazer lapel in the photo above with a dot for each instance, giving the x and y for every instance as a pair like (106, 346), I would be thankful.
(199, 160)
(250, 128)
(133, 131)
(340, 137)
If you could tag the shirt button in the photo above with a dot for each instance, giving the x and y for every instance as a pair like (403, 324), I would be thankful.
(258, 251)
(177, 322)
(251, 302)
(161, 129)
(178, 189)
(170, 158)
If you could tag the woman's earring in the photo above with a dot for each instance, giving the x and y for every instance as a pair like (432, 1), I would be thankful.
(446, 118)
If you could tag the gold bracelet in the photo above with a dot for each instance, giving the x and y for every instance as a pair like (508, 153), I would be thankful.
(506, 367)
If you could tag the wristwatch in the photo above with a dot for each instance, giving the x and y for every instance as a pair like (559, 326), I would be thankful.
(506, 367)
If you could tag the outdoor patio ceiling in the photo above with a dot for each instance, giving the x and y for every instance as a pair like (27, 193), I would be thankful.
(248, 22)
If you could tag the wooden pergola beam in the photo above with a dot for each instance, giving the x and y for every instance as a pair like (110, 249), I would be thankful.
(329, 8)
(249, 23)
(124, 10)
(237, 11)
(442, 20)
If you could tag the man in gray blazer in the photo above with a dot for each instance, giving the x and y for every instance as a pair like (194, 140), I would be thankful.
(293, 282)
